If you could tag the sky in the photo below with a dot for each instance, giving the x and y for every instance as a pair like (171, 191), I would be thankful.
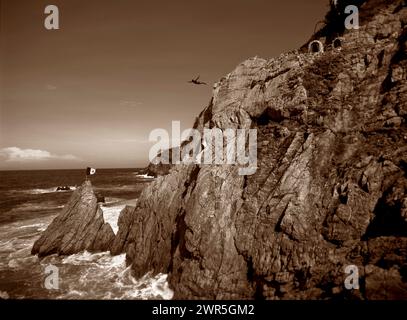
(90, 93)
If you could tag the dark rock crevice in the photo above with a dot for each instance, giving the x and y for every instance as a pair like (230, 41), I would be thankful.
(388, 218)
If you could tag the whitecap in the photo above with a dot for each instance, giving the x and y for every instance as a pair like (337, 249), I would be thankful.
(35, 225)
(157, 286)
(111, 216)
(103, 276)
(48, 190)
(144, 176)
(19, 263)
(81, 257)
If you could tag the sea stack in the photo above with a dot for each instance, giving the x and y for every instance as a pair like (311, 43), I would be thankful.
(80, 226)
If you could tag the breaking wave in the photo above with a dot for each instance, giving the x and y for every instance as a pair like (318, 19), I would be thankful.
(83, 275)
(27, 208)
(111, 215)
(143, 176)
(48, 190)
(103, 276)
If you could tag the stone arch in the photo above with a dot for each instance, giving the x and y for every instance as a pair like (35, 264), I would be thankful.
(337, 44)
(315, 46)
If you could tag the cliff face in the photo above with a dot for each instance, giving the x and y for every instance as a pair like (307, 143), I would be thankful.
(329, 191)
(80, 226)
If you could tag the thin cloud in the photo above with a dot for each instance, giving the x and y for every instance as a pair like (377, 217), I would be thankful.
(15, 154)
(124, 140)
(130, 103)
(140, 141)
(50, 87)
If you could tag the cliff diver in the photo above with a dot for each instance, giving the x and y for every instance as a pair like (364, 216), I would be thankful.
(196, 81)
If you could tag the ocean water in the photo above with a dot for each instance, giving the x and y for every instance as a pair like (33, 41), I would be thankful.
(29, 202)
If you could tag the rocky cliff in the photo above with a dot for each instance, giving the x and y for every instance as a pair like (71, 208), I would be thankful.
(329, 190)
(80, 226)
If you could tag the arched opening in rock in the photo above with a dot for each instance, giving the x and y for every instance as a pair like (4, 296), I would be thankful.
(388, 220)
(337, 44)
(270, 115)
(316, 47)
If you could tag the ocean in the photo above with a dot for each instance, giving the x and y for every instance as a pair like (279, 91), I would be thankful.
(29, 201)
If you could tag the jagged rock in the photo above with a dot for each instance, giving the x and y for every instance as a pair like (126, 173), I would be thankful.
(384, 284)
(80, 226)
(158, 170)
(330, 188)
(99, 198)
(125, 223)
(63, 188)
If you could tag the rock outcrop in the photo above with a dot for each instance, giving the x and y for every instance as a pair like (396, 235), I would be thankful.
(80, 226)
(329, 190)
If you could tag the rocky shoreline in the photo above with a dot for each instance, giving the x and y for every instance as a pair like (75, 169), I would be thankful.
(80, 226)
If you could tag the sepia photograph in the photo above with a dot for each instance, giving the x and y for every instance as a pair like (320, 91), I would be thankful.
(214, 151)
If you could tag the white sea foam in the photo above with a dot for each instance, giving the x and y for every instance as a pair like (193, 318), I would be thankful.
(73, 294)
(103, 276)
(144, 176)
(111, 200)
(111, 216)
(39, 226)
(83, 275)
(21, 262)
(81, 257)
(6, 245)
(157, 286)
(48, 190)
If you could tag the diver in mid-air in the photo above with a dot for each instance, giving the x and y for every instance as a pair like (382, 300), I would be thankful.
(196, 81)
